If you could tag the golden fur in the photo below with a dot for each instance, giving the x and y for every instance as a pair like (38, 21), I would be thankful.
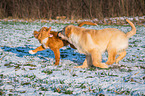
(93, 43)
(49, 39)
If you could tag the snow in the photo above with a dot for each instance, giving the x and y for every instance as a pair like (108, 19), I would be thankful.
(22, 73)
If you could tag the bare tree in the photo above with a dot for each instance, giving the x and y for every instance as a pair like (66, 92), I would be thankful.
(72, 9)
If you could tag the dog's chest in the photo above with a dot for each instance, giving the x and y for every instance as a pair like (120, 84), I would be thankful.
(44, 42)
(74, 39)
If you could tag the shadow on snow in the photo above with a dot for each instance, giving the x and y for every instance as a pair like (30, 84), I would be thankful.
(67, 53)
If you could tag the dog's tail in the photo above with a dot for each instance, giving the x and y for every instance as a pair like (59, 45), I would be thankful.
(133, 31)
(87, 23)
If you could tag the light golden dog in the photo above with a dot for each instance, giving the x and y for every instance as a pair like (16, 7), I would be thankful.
(93, 43)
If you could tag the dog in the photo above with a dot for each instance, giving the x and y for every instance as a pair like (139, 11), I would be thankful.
(49, 39)
(93, 43)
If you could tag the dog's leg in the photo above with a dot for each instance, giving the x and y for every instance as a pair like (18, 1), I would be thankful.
(86, 63)
(121, 56)
(97, 58)
(57, 56)
(40, 48)
(111, 56)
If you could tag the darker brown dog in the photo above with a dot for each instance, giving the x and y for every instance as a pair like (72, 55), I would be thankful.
(49, 39)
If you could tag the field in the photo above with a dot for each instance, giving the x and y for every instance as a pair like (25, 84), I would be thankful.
(31, 75)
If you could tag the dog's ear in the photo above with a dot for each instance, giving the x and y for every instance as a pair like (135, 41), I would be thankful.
(36, 33)
(48, 30)
(68, 31)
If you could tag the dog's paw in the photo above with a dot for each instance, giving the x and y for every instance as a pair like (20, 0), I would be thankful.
(31, 52)
(103, 65)
(109, 63)
(75, 67)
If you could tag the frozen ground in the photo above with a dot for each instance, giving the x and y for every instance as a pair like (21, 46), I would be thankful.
(31, 75)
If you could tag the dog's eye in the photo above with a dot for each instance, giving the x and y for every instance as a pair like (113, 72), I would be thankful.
(44, 30)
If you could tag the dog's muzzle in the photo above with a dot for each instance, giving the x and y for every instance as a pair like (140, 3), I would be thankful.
(60, 34)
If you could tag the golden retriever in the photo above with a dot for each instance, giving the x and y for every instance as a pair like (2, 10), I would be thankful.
(93, 43)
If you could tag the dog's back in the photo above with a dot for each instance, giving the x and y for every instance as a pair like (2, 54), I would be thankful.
(104, 39)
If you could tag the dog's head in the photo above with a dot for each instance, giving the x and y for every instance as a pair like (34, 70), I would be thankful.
(65, 33)
(42, 34)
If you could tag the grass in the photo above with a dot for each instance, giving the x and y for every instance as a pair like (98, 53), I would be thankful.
(24, 74)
